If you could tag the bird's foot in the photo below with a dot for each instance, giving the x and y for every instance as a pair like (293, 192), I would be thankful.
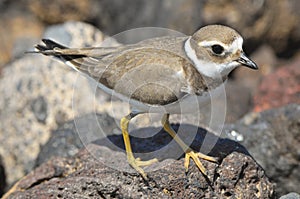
(137, 163)
(195, 156)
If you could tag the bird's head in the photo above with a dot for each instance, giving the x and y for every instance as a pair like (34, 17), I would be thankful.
(217, 50)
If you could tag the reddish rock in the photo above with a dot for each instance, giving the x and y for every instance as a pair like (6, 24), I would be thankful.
(279, 88)
(273, 138)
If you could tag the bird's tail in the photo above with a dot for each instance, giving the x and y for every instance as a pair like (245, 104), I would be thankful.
(80, 59)
(49, 45)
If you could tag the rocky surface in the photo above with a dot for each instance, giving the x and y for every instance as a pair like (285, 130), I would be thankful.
(279, 88)
(37, 95)
(102, 172)
(292, 195)
(272, 137)
(68, 138)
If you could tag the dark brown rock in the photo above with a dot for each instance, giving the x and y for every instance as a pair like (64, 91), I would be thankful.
(272, 138)
(92, 173)
(279, 88)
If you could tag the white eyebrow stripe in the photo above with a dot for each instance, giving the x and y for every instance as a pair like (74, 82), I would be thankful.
(210, 43)
(237, 44)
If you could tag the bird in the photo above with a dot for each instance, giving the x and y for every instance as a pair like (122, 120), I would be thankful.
(169, 74)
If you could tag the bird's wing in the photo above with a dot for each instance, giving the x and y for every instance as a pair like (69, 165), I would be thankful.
(148, 74)
(168, 43)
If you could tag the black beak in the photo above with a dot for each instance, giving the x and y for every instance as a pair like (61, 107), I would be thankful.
(245, 61)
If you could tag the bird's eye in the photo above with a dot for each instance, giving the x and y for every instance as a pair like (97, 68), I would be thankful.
(217, 49)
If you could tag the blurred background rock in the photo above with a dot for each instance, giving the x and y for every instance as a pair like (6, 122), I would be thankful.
(263, 22)
(29, 111)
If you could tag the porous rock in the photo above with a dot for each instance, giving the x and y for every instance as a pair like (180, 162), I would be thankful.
(272, 138)
(101, 171)
(37, 94)
(69, 137)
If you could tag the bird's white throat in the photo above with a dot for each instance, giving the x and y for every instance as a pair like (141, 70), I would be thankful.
(208, 68)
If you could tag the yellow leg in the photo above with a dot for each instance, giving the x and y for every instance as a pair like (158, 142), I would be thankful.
(189, 153)
(136, 163)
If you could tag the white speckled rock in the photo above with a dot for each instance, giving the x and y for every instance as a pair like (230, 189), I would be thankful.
(291, 195)
(37, 94)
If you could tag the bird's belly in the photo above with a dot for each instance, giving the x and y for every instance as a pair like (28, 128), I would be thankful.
(187, 104)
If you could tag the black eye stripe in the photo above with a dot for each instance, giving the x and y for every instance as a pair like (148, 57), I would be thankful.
(217, 49)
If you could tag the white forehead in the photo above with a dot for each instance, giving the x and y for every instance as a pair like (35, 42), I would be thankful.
(237, 44)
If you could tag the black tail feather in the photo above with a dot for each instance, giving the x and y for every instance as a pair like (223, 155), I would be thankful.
(41, 47)
(48, 48)
(79, 61)
(52, 44)
(49, 45)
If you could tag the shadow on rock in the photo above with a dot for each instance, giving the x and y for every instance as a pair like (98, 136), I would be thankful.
(154, 142)
(101, 170)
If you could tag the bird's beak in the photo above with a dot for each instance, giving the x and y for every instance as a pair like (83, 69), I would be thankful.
(245, 61)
